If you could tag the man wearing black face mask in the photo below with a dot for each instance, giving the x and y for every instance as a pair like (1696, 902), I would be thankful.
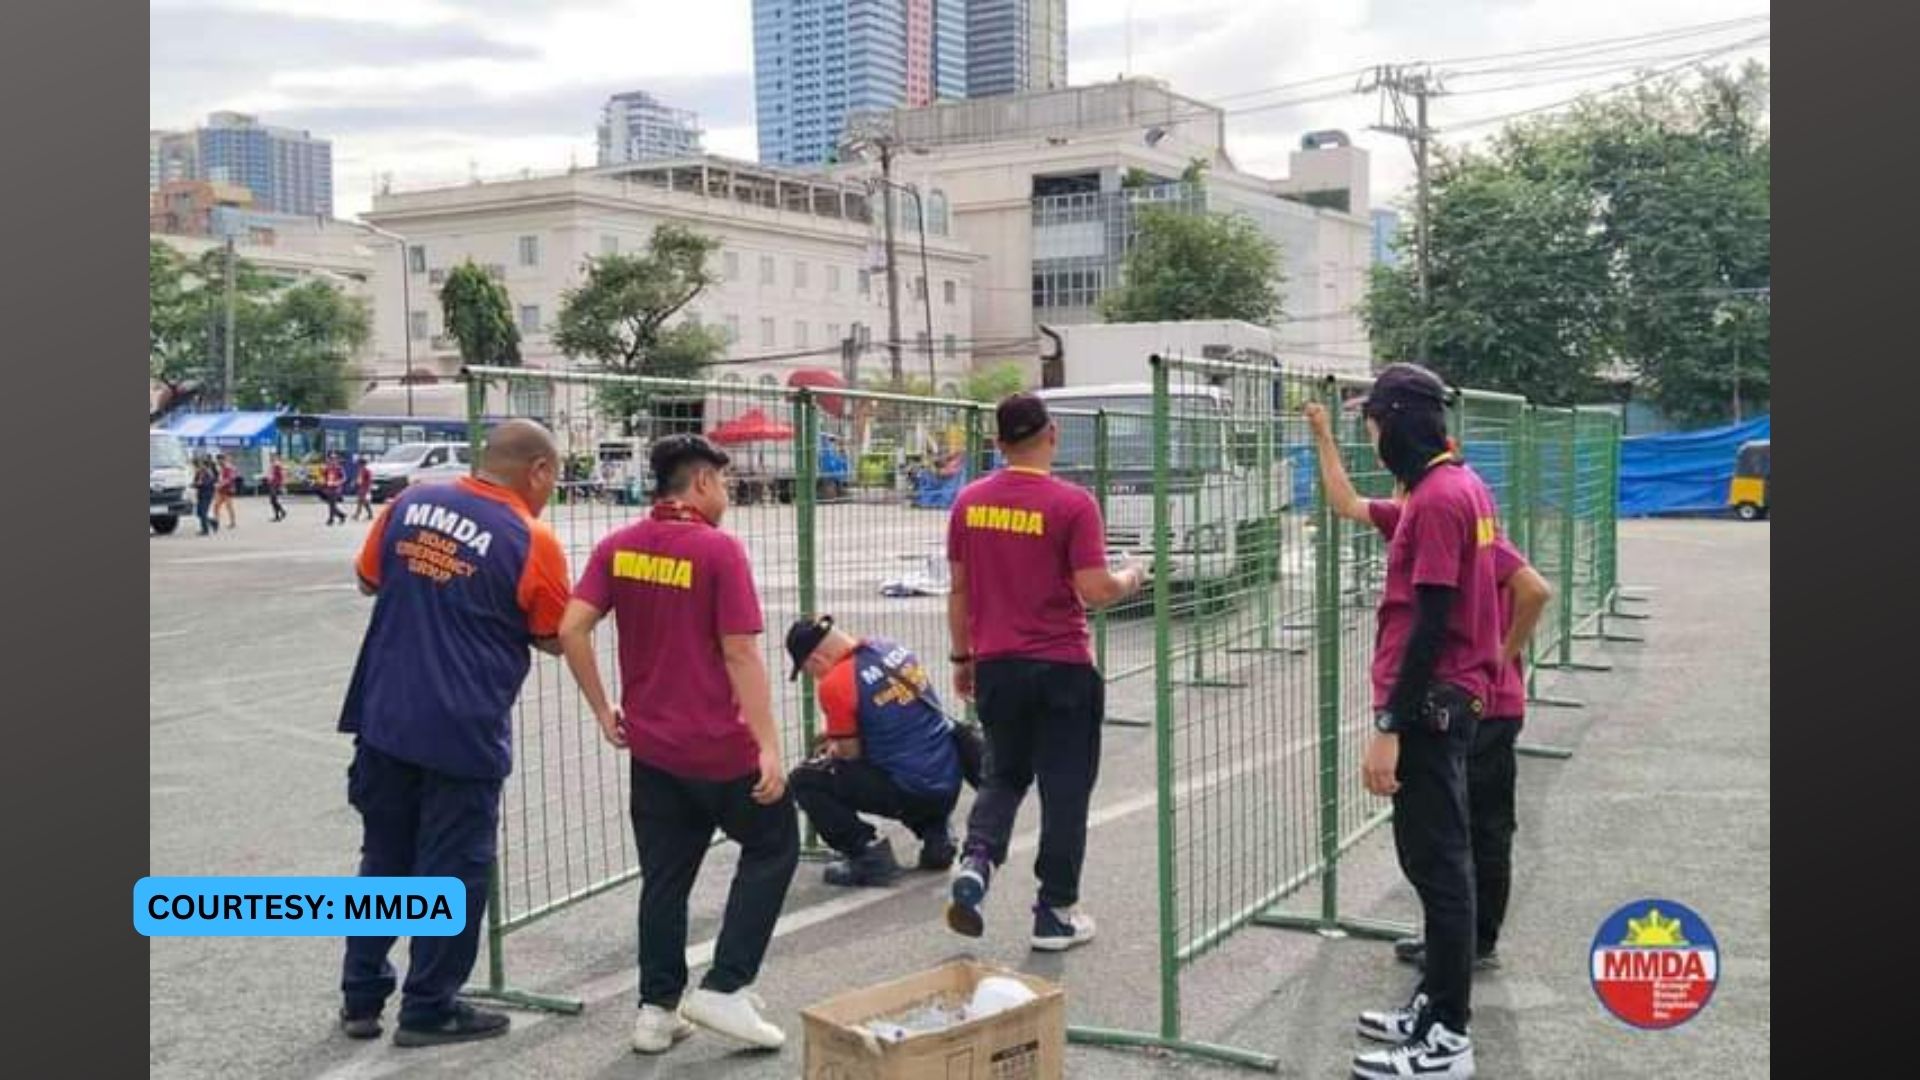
(1436, 662)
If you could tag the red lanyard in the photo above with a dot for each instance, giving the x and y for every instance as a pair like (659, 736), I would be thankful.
(675, 510)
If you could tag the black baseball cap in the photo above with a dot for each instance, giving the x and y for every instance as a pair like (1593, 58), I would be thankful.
(1020, 417)
(1402, 387)
(804, 636)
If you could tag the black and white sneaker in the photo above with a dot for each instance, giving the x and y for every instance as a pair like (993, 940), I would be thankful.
(1438, 1054)
(1393, 1025)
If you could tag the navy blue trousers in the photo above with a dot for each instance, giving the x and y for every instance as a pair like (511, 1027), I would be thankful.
(419, 823)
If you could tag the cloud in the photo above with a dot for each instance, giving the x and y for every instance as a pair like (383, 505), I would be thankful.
(721, 101)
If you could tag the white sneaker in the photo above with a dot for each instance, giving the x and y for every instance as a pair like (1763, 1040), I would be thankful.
(1440, 1054)
(1060, 929)
(656, 1029)
(735, 1015)
(1393, 1025)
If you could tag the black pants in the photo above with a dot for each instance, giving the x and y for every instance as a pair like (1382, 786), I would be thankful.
(334, 513)
(1432, 837)
(835, 793)
(419, 823)
(1490, 782)
(673, 822)
(203, 509)
(1042, 721)
(273, 499)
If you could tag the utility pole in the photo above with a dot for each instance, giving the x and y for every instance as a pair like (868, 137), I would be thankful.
(227, 338)
(926, 285)
(885, 146)
(1397, 83)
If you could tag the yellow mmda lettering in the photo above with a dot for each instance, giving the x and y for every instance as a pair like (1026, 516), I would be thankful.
(1485, 531)
(1006, 519)
(653, 569)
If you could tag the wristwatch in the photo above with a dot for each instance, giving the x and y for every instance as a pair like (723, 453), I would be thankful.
(1383, 722)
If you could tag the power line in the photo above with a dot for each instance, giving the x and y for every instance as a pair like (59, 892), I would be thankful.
(1628, 85)
(1598, 71)
(1656, 35)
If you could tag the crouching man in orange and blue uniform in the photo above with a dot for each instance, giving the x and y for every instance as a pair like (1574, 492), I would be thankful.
(889, 750)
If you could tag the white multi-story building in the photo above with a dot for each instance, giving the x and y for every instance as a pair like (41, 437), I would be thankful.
(799, 266)
(1045, 188)
(635, 126)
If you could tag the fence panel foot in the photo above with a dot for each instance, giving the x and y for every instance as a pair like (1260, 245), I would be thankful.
(1368, 929)
(1557, 702)
(524, 999)
(1554, 753)
(1230, 1055)
(1576, 665)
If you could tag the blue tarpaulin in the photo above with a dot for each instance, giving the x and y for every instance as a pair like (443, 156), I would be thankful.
(1684, 472)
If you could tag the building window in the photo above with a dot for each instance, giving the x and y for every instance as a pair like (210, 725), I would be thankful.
(417, 325)
(833, 333)
(833, 278)
(766, 332)
(799, 275)
(609, 245)
(529, 318)
(866, 283)
(919, 288)
(799, 334)
(768, 380)
(417, 259)
(937, 213)
(949, 290)
(733, 329)
(951, 346)
(529, 251)
(731, 261)
(766, 269)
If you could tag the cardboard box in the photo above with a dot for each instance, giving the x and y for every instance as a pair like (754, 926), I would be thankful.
(1028, 1042)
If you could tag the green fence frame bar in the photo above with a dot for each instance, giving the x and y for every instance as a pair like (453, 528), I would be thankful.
(806, 494)
(1102, 463)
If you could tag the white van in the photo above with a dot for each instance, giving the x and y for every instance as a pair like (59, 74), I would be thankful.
(167, 478)
(417, 463)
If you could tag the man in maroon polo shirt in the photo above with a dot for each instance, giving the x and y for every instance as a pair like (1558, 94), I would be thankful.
(696, 714)
(1028, 553)
(1435, 665)
(1524, 595)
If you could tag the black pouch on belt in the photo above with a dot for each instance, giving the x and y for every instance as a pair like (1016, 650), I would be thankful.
(1447, 704)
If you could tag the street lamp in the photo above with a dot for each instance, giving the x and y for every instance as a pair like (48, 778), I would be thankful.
(406, 301)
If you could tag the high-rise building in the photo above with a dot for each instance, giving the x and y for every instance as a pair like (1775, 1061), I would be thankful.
(288, 171)
(635, 126)
(1015, 46)
(171, 155)
(815, 61)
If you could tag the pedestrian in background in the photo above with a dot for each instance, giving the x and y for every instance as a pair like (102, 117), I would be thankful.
(227, 481)
(363, 489)
(332, 480)
(205, 479)
(276, 486)
(463, 587)
(1028, 555)
(696, 716)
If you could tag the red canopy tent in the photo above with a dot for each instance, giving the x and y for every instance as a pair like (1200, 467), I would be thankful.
(751, 426)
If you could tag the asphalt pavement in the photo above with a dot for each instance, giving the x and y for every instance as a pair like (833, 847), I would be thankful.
(253, 633)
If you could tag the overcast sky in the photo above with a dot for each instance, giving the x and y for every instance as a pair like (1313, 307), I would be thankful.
(431, 90)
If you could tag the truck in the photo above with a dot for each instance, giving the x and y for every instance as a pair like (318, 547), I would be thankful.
(167, 480)
(1221, 516)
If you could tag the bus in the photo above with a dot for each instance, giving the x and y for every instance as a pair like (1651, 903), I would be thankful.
(305, 439)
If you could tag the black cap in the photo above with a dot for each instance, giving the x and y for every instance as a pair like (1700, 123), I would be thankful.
(1020, 417)
(804, 636)
(1401, 387)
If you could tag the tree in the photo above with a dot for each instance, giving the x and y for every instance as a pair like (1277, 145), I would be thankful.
(992, 384)
(1196, 266)
(480, 317)
(620, 316)
(293, 344)
(1633, 230)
